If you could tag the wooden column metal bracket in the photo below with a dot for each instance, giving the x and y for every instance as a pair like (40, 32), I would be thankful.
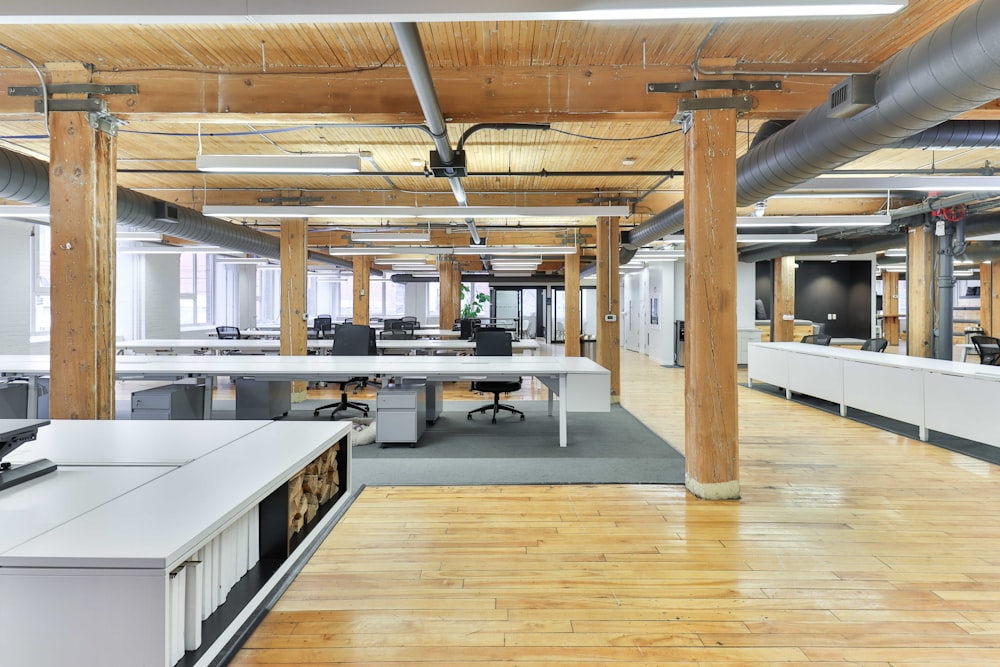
(687, 105)
(89, 103)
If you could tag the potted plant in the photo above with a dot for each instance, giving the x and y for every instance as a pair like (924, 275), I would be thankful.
(473, 307)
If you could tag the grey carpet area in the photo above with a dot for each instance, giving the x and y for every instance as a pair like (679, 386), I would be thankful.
(603, 448)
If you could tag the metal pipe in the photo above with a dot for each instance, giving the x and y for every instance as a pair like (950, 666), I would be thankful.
(945, 301)
(412, 50)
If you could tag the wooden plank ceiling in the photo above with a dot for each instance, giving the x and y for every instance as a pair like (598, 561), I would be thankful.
(238, 89)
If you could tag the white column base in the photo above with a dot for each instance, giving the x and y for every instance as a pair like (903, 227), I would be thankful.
(718, 491)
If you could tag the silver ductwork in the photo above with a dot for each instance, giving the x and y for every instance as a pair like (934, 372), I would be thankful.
(951, 70)
(26, 180)
(420, 75)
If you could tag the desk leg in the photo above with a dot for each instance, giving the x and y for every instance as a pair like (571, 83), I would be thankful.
(32, 397)
(562, 409)
(922, 432)
(788, 394)
(551, 397)
(843, 409)
(209, 384)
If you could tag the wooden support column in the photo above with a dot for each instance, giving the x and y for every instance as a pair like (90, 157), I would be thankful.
(920, 285)
(890, 307)
(783, 300)
(711, 429)
(608, 332)
(362, 284)
(83, 209)
(294, 323)
(572, 282)
(448, 305)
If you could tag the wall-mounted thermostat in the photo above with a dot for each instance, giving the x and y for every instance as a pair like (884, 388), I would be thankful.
(610, 317)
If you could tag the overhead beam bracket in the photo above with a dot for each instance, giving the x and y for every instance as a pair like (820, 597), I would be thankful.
(712, 84)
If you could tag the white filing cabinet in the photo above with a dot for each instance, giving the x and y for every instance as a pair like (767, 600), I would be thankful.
(400, 414)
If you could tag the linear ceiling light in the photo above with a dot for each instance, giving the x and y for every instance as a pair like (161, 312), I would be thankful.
(27, 212)
(279, 164)
(391, 237)
(348, 252)
(775, 238)
(813, 221)
(407, 212)
(175, 250)
(515, 250)
(323, 11)
(139, 236)
(884, 183)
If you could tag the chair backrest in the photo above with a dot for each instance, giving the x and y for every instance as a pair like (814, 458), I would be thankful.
(817, 339)
(323, 326)
(397, 334)
(491, 342)
(761, 311)
(410, 318)
(875, 345)
(354, 340)
(228, 333)
(390, 323)
(467, 327)
(988, 349)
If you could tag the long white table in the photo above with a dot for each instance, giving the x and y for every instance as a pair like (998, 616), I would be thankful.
(116, 558)
(581, 384)
(322, 346)
(932, 394)
(267, 332)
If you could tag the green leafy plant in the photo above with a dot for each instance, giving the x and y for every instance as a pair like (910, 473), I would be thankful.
(474, 307)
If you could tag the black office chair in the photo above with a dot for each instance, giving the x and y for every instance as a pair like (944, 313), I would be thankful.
(323, 326)
(228, 333)
(351, 340)
(817, 339)
(468, 326)
(988, 349)
(492, 342)
(875, 345)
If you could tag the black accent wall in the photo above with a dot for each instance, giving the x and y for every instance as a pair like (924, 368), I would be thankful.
(823, 287)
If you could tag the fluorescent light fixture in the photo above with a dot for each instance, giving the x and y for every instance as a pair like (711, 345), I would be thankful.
(175, 250)
(893, 269)
(139, 236)
(322, 11)
(27, 212)
(895, 252)
(407, 212)
(885, 183)
(391, 237)
(242, 260)
(813, 221)
(775, 238)
(308, 163)
(515, 250)
(348, 252)
(964, 273)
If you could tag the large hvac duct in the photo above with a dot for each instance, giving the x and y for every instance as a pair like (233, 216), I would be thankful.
(26, 180)
(953, 69)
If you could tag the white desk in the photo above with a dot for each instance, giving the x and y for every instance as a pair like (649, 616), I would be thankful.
(263, 346)
(947, 396)
(581, 384)
(89, 581)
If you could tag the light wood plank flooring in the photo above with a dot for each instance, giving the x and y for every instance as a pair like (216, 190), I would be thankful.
(850, 546)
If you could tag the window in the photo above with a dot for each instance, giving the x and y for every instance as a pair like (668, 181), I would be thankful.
(387, 298)
(41, 296)
(196, 288)
(268, 296)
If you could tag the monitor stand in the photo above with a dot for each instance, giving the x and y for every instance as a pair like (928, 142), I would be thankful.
(13, 434)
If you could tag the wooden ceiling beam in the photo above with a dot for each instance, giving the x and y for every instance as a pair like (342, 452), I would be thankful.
(563, 94)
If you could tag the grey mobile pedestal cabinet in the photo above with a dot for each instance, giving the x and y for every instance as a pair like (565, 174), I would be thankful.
(172, 401)
(400, 414)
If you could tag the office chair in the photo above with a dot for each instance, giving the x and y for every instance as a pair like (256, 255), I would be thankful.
(323, 326)
(351, 340)
(468, 326)
(491, 342)
(875, 345)
(817, 339)
(988, 349)
(228, 333)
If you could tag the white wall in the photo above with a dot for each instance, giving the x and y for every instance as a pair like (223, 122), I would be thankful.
(162, 283)
(15, 298)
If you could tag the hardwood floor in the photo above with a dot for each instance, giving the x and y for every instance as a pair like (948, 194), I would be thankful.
(850, 546)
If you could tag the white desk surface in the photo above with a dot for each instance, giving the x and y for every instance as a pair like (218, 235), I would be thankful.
(267, 332)
(893, 360)
(72, 442)
(323, 345)
(38, 505)
(158, 523)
